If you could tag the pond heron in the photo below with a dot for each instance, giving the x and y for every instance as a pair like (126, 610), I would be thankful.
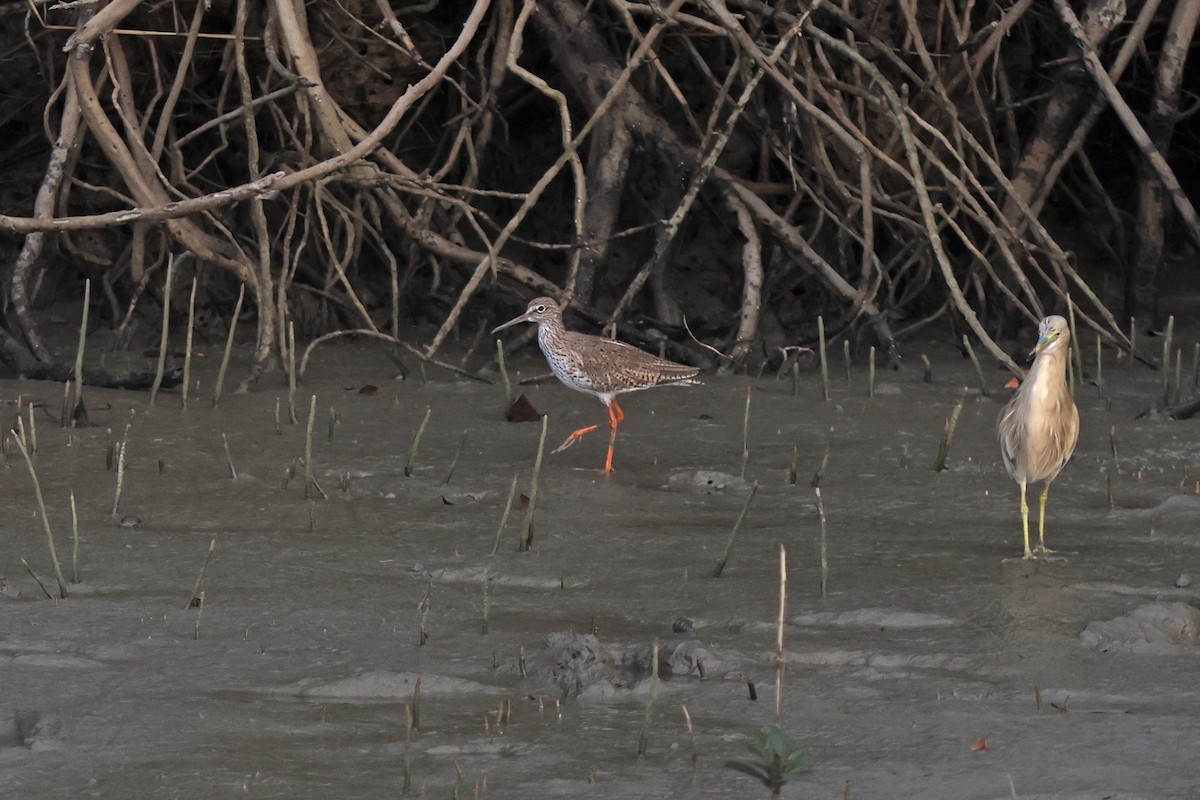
(1040, 425)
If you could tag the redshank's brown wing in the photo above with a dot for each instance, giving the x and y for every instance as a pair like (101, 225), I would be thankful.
(615, 367)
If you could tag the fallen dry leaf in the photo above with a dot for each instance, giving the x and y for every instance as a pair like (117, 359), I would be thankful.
(980, 746)
(522, 410)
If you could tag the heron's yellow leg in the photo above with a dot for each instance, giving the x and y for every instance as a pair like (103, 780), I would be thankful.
(1025, 522)
(1041, 548)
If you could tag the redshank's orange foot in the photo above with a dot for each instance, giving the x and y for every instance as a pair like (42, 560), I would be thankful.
(608, 462)
(573, 438)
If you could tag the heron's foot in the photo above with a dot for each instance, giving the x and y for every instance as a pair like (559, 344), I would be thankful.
(1046, 554)
(1036, 555)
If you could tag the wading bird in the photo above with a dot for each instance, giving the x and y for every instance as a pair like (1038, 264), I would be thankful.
(1040, 425)
(597, 366)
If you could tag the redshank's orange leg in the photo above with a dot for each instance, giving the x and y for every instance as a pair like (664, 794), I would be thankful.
(615, 416)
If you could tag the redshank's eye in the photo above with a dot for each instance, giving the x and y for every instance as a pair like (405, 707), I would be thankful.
(540, 309)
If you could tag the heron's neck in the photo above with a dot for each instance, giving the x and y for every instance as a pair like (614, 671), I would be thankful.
(1049, 372)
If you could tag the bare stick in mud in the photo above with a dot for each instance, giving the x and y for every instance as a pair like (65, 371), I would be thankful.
(503, 371)
(746, 433)
(824, 544)
(166, 324)
(278, 419)
(36, 579)
(512, 493)
(41, 504)
(779, 661)
(527, 541)
(928, 378)
(228, 457)
(408, 729)
(791, 471)
(846, 357)
(199, 614)
(1112, 440)
(292, 418)
(716, 573)
(32, 442)
(83, 323)
(416, 704)
(1099, 363)
(121, 450)
(644, 737)
(820, 473)
(1165, 364)
(824, 359)
(74, 540)
(983, 390)
(416, 443)
(423, 608)
(871, 375)
(1175, 394)
(312, 489)
(187, 350)
(948, 434)
(334, 419)
(462, 440)
(194, 599)
(487, 579)
(237, 311)
(687, 718)
(1132, 341)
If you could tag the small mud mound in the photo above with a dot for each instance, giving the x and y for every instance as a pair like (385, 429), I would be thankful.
(703, 481)
(576, 662)
(31, 730)
(1157, 627)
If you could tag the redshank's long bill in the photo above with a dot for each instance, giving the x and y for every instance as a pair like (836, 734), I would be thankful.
(598, 366)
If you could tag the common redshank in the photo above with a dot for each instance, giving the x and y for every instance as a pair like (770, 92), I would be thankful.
(1040, 425)
(597, 366)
